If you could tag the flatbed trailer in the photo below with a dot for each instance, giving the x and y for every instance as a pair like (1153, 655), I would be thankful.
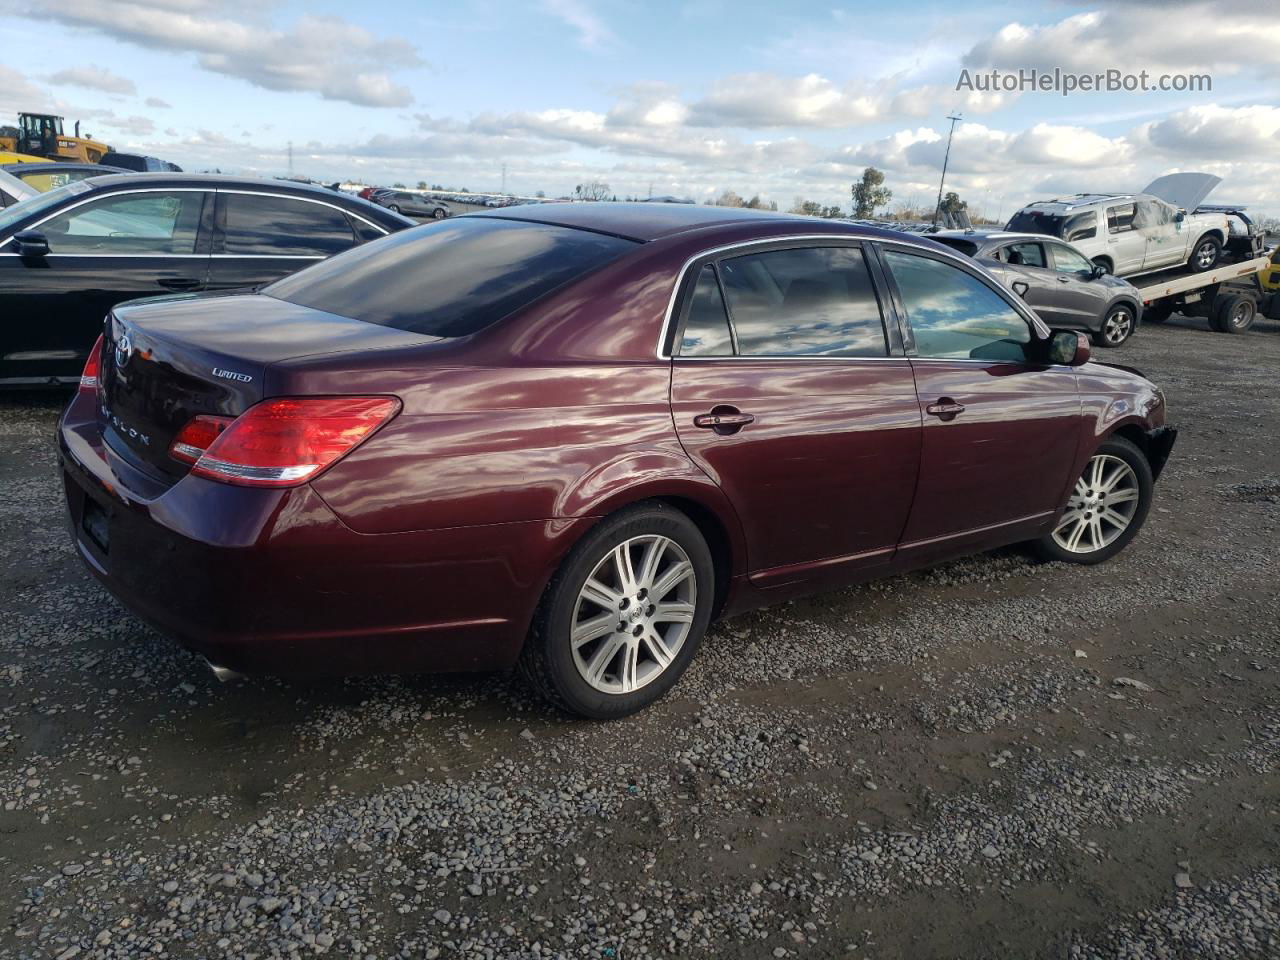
(1229, 296)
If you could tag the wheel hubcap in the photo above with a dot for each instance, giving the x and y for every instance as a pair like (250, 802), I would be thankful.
(1206, 254)
(633, 614)
(1101, 507)
(1118, 326)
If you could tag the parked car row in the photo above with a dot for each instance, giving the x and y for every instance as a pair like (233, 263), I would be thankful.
(69, 255)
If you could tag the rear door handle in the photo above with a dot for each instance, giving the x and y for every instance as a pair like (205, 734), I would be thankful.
(723, 420)
(179, 283)
(945, 409)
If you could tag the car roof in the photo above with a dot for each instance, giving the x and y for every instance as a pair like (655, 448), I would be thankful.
(214, 181)
(652, 221)
(25, 168)
(996, 236)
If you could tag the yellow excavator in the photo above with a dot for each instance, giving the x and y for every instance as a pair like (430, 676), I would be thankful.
(41, 135)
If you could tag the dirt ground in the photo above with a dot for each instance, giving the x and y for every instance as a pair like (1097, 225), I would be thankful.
(994, 758)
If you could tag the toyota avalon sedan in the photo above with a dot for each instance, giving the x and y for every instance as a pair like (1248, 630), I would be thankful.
(569, 437)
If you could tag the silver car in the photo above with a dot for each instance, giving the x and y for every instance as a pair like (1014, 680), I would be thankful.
(1056, 280)
(411, 204)
(1128, 234)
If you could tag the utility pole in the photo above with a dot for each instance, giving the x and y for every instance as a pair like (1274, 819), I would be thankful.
(290, 159)
(947, 156)
(504, 178)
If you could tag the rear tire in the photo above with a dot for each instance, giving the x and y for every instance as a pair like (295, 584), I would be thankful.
(438, 214)
(1205, 254)
(1234, 314)
(1117, 327)
(393, 208)
(1107, 508)
(637, 592)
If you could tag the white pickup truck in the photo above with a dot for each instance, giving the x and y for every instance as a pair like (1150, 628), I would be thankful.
(1128, 234)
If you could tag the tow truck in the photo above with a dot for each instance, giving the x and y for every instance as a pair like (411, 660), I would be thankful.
(1230, 296)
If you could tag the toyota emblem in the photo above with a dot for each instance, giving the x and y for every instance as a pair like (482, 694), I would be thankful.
(124, 350)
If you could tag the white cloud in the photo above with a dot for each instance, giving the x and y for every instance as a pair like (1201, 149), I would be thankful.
(320, 54)
(755, 100)
(1214, 132)
(157, 104)
(593, 33)
(94, 78)
(1166, 37)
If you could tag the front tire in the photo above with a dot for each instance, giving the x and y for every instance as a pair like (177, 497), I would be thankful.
(1107, 508)
(623, 617)
(1117, 327)
(393, 208)
(1105, 264)
(1205, 254)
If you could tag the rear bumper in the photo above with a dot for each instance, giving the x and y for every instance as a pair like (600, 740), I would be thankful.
(1159, 444)
(272, 581)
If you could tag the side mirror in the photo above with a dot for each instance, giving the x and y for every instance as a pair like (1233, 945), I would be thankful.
(1180, 216)
(29, 243)
(1069, 348)
(1098, 271)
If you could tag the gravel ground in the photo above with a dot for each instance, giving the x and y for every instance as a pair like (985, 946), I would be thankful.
(992, 758)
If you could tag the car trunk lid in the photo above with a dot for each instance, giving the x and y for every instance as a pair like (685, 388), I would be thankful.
(168, 360)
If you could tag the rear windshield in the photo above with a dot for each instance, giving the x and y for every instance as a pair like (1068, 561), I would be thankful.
(451, 278)
(1070, 227)
(967, 247)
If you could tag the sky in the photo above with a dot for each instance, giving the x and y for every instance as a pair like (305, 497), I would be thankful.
(783, 100)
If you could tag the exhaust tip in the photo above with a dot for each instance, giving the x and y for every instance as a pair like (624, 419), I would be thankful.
(224, 674)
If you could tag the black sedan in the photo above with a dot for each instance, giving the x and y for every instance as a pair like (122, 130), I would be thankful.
(70, 255)
(1057, 280)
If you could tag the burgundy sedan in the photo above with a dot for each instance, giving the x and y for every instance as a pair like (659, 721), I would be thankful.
(569, 437)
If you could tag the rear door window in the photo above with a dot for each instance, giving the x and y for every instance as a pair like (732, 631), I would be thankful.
(1026, 254)
(154, 222)
(1080, 226)
(453, 278)
(1119, 218)
(805, 302)
(262, 226)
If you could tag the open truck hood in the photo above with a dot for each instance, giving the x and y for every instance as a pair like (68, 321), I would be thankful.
(1185, 190)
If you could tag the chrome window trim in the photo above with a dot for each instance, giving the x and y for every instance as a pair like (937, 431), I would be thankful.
(210, 189)
(965, 263)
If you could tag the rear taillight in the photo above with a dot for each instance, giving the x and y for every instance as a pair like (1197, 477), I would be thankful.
(197, 436)
(289, 440)
(92, 366)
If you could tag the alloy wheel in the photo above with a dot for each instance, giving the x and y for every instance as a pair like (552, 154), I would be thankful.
(633, 614)
(1206, 254)
(1101, 507)
(1118, 326)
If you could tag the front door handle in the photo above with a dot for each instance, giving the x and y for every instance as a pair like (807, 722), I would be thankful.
(945, 409)
(179, 283)
(724, 420)
(1064, 279)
